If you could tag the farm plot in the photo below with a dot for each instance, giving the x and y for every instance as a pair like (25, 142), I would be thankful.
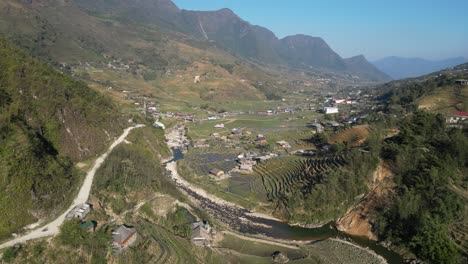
(246, 186)
(165, 247)
(459, 234)
(354, 136)
(285, 175)
(202, 163)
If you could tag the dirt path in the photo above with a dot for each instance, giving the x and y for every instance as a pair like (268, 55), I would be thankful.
(53, 227)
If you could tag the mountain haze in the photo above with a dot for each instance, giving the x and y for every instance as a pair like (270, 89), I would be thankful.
(400, 68)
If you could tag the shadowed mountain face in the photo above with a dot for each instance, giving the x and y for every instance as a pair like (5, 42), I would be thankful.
(310, 51)
(360, 64)
(229, 32)
(400, 68)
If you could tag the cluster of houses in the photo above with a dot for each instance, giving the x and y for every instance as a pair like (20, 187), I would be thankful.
(246, 161)
(122, 236)
(457, 119)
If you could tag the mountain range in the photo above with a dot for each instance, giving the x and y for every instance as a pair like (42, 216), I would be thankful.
(400, 68)
(80, 24)
(232, 33)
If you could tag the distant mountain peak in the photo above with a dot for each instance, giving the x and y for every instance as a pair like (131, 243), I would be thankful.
(226, 11)
(168, 5)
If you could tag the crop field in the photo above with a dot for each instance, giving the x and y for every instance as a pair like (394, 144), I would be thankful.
(202, 163)
(446, 100)
(158, 245)
(459, 230)
(331, 251)
(354, 136)
(297, 138)
(246, 186)
(459, 234)
(268, 125)
(323, 251)
(258, 251)
(282, 176)
(244, 190)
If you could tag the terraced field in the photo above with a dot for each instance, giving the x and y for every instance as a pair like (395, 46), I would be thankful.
(459, 233)
(285, 175)
(167, 247)
(354, 136)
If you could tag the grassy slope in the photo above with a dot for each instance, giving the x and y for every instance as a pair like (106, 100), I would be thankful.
(446, 100)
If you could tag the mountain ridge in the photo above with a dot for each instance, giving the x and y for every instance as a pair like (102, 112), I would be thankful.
(402, 67)
(237, 36)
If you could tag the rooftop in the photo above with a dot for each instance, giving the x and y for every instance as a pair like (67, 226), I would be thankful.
(122, 233)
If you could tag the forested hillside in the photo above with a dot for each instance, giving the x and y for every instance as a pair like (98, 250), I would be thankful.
(48, 121)
(428, 213)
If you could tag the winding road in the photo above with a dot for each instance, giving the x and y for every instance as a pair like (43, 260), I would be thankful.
(53, 227)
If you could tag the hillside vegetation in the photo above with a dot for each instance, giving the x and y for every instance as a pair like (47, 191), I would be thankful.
(427, 215)
(48, 121)
(436, 92)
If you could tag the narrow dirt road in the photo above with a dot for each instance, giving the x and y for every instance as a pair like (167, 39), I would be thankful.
(53, 227)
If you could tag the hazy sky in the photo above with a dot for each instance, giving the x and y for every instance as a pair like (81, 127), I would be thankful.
(376, 28)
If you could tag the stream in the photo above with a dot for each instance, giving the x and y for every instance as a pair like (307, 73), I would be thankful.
(239, 219)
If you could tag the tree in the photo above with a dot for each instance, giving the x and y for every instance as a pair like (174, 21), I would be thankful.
(72, 234)
(432, 241)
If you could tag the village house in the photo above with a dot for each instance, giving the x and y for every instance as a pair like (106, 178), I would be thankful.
(333, 124)
(80, 211)
(330, 110)
(88, 226)
(283, 144)
(201, 144)
(246, 162)
(196, 79)
(457, 117)
(247, 165)
(159, 124)
(461, 81)
(266, 156)
(123, 236)
(219, 126)
(216, 172)
(200, 234)
(261, 139)
(318, 127)
(236, 132)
